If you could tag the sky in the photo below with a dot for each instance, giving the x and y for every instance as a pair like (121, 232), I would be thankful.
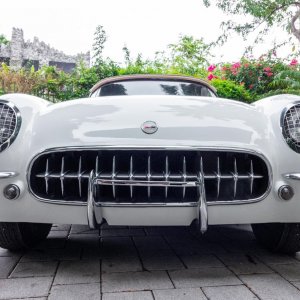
(143, 26)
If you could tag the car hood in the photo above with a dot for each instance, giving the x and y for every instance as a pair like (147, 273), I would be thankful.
(180, 120)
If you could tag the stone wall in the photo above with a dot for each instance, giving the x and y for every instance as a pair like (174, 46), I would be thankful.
(37, 53)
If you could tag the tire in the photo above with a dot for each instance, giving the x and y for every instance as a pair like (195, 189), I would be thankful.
(278, 237)
(19, 236)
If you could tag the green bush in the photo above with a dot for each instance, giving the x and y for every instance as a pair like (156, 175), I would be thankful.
(231, 90)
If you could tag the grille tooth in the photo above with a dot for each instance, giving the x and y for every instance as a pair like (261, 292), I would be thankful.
(131, 176)
(183, 175)
(79, 175)
(113, 176)
(149, 175)
(62, 176)
(235, 175)
(47, 176)
(137, 176)
(167, 173)
(251, 174)
(218, 174)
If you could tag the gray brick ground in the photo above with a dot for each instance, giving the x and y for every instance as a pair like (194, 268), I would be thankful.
(135, 281)
(149, 263)
(291, 271)
(25, 287)
(162, 262)
(201, 261)
(203, 277)
(121, 264)
(75, 292)
(7, 264)
(271, 287)
(244, 263)
(238, 292)
(184, 294)
(128, 296)
(33, 269)
(70, 272)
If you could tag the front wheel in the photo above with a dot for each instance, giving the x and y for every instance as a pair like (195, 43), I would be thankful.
(18, 236)
(278, 237)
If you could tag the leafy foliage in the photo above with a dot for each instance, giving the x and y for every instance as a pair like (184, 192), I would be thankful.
(3, 40)
(246, 80)
(264, 13)
(231, 90)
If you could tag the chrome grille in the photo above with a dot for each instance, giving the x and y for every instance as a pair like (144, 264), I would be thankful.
(291, 127)
(8, 124)
(149, 176)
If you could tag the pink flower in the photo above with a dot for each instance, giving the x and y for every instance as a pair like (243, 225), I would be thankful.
(236, 65)
(267, 69)
(211, 68)
(269, 74)
(211, 76)
(294, 62)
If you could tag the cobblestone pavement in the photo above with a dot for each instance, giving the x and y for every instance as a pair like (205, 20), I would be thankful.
(149, 263)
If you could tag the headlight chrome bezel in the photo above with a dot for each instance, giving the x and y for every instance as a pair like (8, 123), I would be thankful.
(291, 142)
(15, 133)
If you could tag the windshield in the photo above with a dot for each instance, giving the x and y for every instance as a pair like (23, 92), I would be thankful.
(153, 87)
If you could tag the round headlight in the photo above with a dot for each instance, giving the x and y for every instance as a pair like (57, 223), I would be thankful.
(291, 126)
(10, 122)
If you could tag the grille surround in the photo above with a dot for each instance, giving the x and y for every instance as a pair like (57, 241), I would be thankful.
(170, 148)
(10, 118)
(288, 123)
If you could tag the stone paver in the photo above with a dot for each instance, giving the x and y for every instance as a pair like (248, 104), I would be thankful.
(75, 292)
(184, 294)
(290, 272)
(70, 272)
(203, 277)
(34, 269)
(244, 264)
(135, 281)
(271, 287)
(128, 296)
(154, 263)
(121, 264)
(229, 292)
(6, 265)
(25, 287)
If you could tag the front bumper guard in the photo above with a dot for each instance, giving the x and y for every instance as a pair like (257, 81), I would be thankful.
(94, 215)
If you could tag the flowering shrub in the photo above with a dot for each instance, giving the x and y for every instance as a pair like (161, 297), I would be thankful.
(231, 90)
(254, 75)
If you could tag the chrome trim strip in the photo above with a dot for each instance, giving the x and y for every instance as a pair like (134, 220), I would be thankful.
(4, 175)
(138, 147)
(294, 176)
(12, 138)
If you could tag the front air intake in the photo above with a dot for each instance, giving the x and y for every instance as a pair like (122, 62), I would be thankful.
(149, 176)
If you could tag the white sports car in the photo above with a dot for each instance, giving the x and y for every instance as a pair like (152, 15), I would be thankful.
(150, 150)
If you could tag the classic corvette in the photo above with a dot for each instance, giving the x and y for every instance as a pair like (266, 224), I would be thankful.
(150, 150)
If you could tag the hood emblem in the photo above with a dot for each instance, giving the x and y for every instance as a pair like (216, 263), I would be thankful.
(149, 127)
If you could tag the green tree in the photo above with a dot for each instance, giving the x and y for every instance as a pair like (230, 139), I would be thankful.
(99, 41)
(3, 40)
(264, 14)
(189, 55)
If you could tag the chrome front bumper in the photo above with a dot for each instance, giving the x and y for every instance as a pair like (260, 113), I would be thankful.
(94, 214)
